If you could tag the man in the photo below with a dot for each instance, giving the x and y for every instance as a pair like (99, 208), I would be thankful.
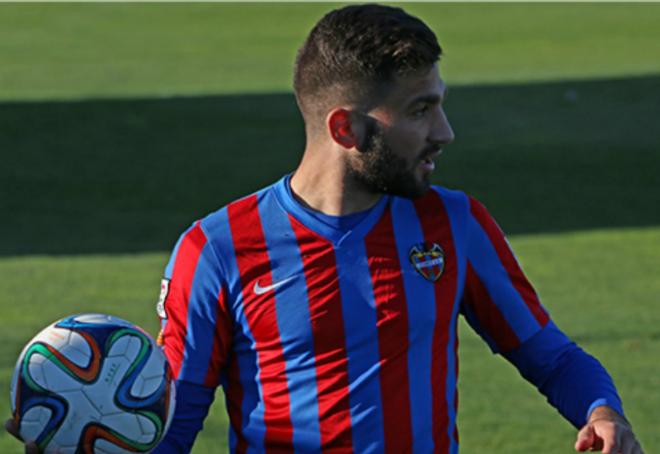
(326, 304)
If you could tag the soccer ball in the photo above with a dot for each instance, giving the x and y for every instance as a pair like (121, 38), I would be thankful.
(92, 383)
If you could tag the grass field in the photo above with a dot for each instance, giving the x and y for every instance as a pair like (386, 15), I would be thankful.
(121, 124)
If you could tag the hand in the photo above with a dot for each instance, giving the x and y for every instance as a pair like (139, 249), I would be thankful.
(31, 447)
(608, 432)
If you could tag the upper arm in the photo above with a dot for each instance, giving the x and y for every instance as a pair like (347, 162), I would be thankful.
(498, 300)
(195, 319)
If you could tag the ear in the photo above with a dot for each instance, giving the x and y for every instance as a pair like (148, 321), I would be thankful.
(341, 128)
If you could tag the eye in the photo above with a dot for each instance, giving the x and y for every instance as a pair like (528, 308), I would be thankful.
(421, 111)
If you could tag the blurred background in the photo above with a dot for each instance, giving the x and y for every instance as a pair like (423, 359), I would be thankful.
(120, 124)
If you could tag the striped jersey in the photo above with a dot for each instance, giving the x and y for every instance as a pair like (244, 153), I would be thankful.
(341, 338)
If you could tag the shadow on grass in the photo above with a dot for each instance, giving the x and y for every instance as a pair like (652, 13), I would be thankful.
(108, 176)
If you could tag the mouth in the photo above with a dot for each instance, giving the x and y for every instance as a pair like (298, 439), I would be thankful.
(428, 159)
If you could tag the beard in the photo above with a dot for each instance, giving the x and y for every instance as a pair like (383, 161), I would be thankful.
(380, 170)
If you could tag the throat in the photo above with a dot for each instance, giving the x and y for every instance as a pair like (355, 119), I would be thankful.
(328, 197)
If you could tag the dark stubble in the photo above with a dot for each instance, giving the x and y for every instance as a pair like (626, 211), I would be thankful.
(380, 170)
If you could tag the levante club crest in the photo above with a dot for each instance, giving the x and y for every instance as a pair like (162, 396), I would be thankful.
(429, 261)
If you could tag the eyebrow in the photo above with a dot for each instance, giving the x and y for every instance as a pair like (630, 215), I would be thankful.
(430, 99)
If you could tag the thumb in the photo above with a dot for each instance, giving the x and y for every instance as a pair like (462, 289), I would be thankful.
(10, 426)
(586, 438)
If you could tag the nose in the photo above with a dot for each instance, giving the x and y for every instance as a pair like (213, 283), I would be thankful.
(441, 132)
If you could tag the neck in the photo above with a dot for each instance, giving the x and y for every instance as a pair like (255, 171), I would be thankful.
(322, 182)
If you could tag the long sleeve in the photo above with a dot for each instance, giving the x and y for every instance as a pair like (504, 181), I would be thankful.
(196, 333)
(573, 381)
(503, 308)
(192, 406)
(498, 301)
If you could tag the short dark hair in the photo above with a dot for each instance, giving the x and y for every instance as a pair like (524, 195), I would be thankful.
(353, 50)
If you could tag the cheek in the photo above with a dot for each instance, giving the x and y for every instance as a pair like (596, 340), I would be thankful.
(407, 140)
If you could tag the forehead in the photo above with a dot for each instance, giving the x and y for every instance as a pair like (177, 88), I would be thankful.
(403, 91)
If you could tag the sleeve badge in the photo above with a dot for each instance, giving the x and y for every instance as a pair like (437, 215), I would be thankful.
(160, 306)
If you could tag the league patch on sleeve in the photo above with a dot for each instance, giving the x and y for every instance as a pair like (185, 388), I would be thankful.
(164, 290)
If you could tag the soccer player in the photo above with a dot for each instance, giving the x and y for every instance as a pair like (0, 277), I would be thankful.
(326, 305)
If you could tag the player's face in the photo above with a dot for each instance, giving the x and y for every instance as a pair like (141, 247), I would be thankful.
(404, 135)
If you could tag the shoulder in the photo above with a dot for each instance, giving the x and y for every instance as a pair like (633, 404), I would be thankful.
(452, 202)
(460, 202)
(451, 196)
(211, 236)
(457, 207)
(217, 225)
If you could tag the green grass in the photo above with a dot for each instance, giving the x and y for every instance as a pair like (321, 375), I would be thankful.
(600, 289)
(122, 123)
(603, 300)
(129, 176)
(56, 51)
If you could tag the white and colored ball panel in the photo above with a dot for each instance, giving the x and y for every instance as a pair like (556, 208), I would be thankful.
(93, 383)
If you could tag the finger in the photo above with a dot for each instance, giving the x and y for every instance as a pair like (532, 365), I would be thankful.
(610, 445)
(609, 436)
(12, 428)
(585, 439)
(597, 445)
(637, 448)
(31, 448)
(627, 444)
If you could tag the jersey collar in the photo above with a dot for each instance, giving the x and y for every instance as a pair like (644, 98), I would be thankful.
(337, 232)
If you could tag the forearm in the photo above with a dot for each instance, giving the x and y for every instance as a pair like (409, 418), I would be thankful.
(192, 406)
(580, 382)
(573, 381)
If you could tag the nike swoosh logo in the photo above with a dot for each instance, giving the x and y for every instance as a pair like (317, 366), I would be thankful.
(259, 290)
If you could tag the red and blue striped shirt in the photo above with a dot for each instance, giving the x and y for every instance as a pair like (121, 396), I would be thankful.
(342, 337)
